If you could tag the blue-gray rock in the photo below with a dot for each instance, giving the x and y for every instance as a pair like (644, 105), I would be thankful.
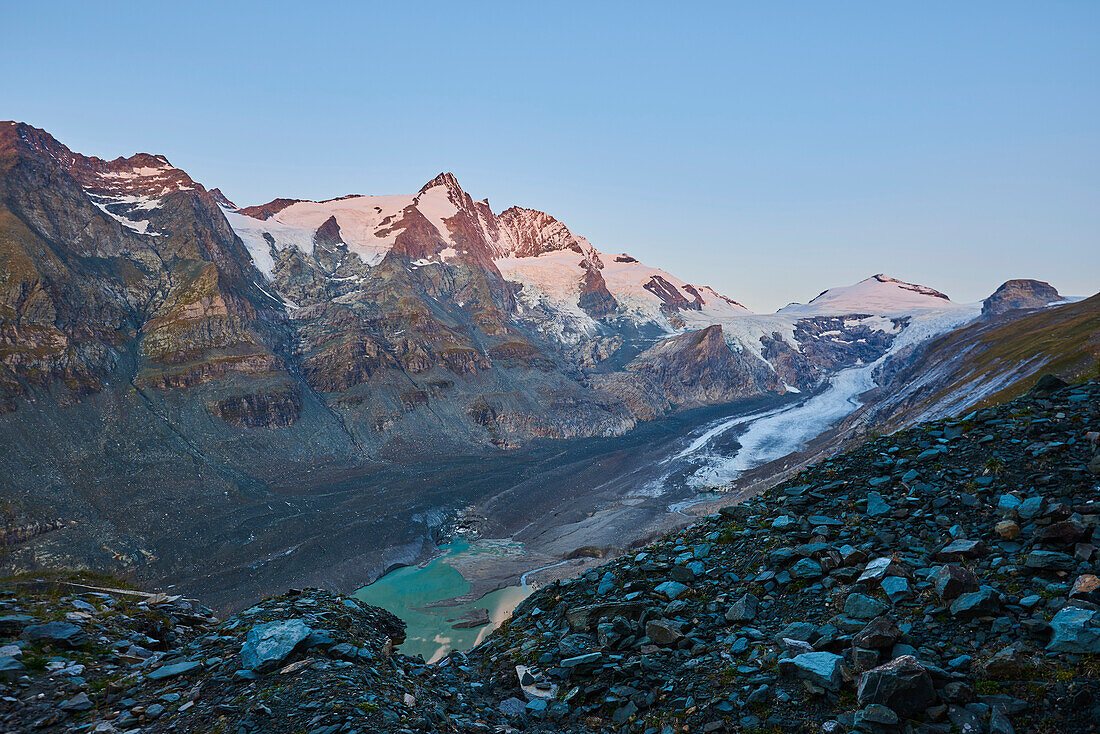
(662, 632)
(607, 584)
(807, 568)
(874, 716)
(1000, 724)
(797, 631)
(586, 659)
(984, 602)
(65, 634)
(959, 549)
(1031, 508)
(861, 606)
(879, 568)
(902, 684)
(512, 707)
(10, 668)
(822, 668)
(79, 702)
(174, 670)
(896, 588)
(876, 505)
(1050, 561)
(1075, 630)
(744, 609)
(269, 645)
(784, 522)
(12, 624)
(671, 589)
(965, 722)
(829, 522)
(949, 581)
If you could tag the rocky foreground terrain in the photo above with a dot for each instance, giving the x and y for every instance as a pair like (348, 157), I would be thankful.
(940, 579)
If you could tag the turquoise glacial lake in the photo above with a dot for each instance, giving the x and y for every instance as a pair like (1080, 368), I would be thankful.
(408, 592)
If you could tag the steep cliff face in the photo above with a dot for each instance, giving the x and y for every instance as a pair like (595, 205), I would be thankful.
(104, 257)
(688, 371)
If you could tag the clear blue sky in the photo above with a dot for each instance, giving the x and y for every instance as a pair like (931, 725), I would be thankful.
(769, 149)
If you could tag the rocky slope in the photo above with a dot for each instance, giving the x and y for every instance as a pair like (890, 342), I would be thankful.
(939, 579)
(986, 362)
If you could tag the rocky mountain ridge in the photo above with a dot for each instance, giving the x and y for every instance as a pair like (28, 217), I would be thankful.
(940, 579)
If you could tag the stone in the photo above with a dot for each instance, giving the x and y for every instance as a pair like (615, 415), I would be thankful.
(874, 716)
(1031, 508)
(984, 602)
(960, 549)
(512, 707)
(896, 588)
(10, 668)
(821, 668)
(876, 505)
(879, 568)
(902, 684)
(1050, 561)
(174, 670)
(807, 568)
(1086, 588)
(879, 634)
(950, 581)
(796, 647)
(965, 721)
(12, 624)
(1075, 630)
(586, 659)
(154, 711)
(267, 646)
(744, 609)
(861, 606)
(1000, 724)
(671, 589)
(65, 634)
(607, 584)
(1007, 529)
(662, 632)
(784, 522)
(1065, 532)
(79, 702)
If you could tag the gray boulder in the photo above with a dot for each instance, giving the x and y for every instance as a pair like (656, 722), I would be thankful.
(861, 606)
(822, 668)
(950, 581)
(1075, 630)
(269, 645)
(65, 634)
(744, 609)
(902, 684)
(981, 603)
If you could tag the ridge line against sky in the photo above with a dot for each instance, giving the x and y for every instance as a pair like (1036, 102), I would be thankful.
(769, 151)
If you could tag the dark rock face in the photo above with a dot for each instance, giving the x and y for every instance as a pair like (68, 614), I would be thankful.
(1020, 294)
(902, 685)
(692, 369)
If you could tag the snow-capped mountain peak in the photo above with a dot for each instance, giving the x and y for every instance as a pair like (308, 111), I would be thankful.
(879, 294)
